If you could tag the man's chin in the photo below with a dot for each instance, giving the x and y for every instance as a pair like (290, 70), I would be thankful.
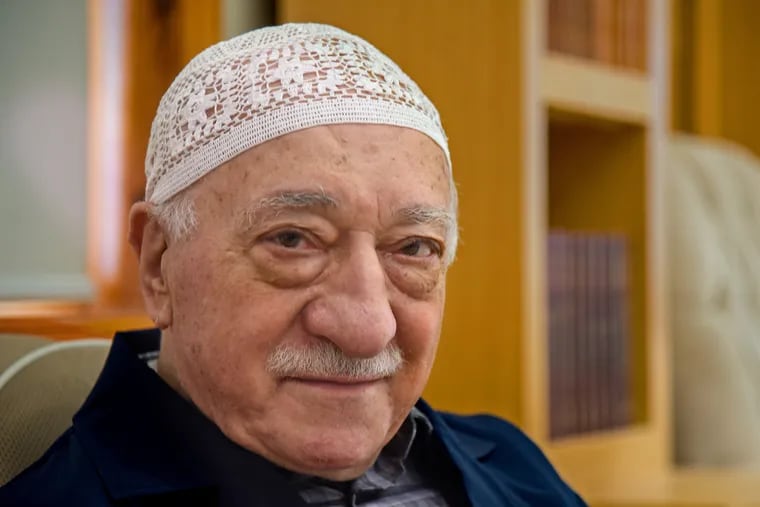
(324, 449)
(334, 453)
(335, 465)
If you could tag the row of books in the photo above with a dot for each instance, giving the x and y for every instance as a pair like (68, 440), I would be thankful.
(589, 333)
(609, 31)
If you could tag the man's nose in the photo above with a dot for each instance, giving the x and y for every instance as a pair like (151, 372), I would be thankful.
(354, 311)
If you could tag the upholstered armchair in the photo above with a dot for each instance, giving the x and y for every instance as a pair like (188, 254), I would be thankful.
(713, 202)
(42, 384)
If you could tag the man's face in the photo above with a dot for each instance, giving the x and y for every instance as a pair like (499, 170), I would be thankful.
(327, 235)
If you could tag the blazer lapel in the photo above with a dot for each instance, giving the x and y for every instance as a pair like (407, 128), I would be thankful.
(468, 452)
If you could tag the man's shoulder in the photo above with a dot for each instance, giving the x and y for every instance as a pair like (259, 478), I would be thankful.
(64, 475)
(508, 453)
(485, 426)
(500, 433)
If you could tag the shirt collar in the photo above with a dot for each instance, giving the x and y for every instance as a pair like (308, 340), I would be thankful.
(416, 425)
(392, 462)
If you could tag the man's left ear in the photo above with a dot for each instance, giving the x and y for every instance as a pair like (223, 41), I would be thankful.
(149, 241)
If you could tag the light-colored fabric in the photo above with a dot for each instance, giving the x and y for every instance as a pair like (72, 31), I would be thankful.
(713, 199)
(13, 346)
(272, 81)
(39, 394)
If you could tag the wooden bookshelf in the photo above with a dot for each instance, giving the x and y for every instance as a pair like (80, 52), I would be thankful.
(684, 488)
(592, 89)
(594, 164)
(611, 32)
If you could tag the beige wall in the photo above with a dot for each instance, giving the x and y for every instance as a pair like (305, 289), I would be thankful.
(43, 148)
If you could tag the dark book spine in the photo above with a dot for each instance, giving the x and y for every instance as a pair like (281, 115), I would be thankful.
(554, 294)
(621, 368)
(581, 332)
(604, 30)
(594, 327)
(561, 352)
(569, 27)
(605, 335)
(566, 335)
(633, 34)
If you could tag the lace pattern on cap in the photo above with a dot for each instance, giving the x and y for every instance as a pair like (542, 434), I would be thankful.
(269, 82)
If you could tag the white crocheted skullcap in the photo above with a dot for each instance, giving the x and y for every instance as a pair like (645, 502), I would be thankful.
(269, 82)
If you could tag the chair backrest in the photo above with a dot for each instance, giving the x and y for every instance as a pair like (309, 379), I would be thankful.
(713, 200)
(13, 346)
(40, 390)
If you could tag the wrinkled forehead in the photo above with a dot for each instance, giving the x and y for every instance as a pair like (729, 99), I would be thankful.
(370, 158)
(268, 83)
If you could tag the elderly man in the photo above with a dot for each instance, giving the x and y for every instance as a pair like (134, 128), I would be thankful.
(299, 218)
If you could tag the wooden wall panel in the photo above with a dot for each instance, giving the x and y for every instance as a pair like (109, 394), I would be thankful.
(715, 90)
(681, 50)
(740, 74)
(707, 78)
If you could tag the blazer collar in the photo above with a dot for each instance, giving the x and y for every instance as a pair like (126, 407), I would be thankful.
(135, 428)
(474, 446)
(469, 453)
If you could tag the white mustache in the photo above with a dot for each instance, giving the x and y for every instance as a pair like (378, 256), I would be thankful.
(325, 359)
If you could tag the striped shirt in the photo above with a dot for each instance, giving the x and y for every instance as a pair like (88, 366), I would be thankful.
(394, 480)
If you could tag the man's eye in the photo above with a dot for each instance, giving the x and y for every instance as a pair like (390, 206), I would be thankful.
(420, 248)
(288, 239)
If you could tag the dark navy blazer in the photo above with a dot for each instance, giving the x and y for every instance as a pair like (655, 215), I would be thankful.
(136, 442)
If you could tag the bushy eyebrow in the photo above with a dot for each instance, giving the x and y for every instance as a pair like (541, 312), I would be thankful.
(283, 201)
(274, 204)
(426, 215)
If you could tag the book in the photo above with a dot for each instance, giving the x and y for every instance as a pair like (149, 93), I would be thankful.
(562, 395)
(632, 52)
(569, 27)
(604, 30)
(621, 395)
(612, 32)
